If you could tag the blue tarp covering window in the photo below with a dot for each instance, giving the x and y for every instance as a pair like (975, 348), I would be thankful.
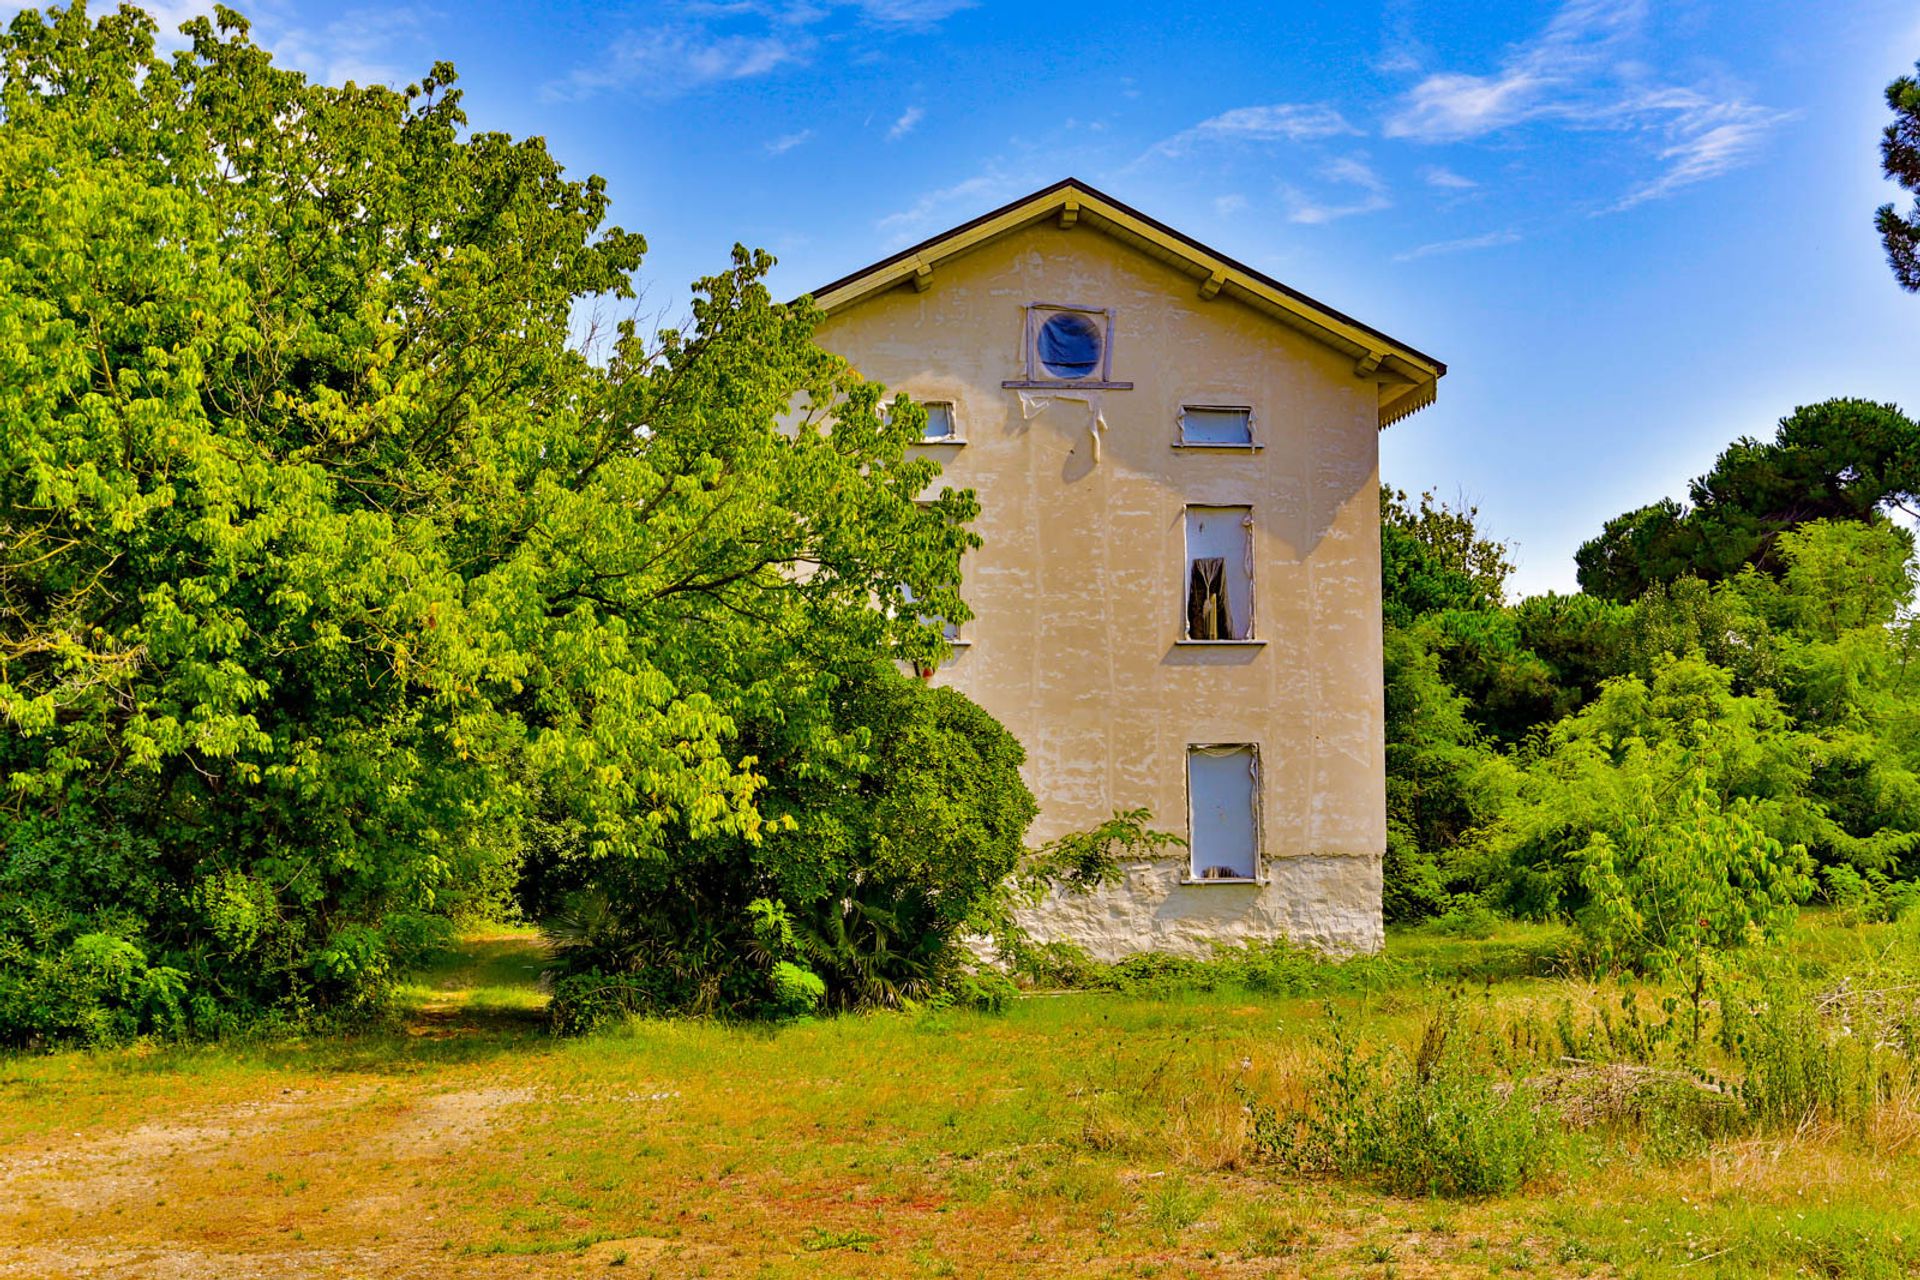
(1069, 346)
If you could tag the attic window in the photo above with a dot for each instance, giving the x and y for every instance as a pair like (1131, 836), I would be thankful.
(1070, 346)
(1216, 426)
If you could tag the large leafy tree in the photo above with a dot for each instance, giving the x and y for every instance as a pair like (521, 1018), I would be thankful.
(331, 566)
(1841, 459)
(1900, 157)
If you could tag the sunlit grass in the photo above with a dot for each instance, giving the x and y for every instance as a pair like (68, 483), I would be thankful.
(1077, 1134)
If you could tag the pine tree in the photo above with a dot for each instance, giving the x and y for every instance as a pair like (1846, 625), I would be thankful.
(1900, 156)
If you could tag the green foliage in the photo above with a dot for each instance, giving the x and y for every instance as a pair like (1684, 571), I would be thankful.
(1430, 1123)
(1631, 772)
(335, 576)
(1682, 882)
(1900, 159)
(1268, 968)
(1842, 459)
(1435, 557)
(890, 832)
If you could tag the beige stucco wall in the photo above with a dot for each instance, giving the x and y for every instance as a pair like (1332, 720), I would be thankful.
(1078, 590)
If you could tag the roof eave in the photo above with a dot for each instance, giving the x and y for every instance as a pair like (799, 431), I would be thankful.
(1399, 366)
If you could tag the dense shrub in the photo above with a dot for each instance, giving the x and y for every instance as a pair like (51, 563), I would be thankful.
(889, 838)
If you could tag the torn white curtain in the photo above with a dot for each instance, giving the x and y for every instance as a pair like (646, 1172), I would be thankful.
(1033, 404)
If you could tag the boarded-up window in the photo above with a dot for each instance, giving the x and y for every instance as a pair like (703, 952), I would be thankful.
(1219, 573)
(1223, 811)
(1211, 424)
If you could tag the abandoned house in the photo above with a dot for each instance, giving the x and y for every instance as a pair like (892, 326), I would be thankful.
(1178, 600)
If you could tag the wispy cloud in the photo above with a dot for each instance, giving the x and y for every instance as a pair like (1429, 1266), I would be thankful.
(1705, 140)
(912, 13)
(787, 142)
(905, 124)
(708, 42)
(1446, 179)
(1491, 240)
(948, 205)
(1279, 122)
(1228, 205)
(1533, 79)
(665, 62)
(1577, 73)
(1350, 171)
(360, 45)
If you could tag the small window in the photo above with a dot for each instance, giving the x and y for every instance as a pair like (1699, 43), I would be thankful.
(1216, 425)
(950, 630)
(1068, 344)
(1219, 573)
(1223, 811)
(940, 428)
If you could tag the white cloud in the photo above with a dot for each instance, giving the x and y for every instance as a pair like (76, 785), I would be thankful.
(359, 46)
(1706, 139)
(1577, 73)
(1491, 240)
(1446, 179)
(1228, 205)
(947, 206)
(787, 142)
(1537, 78)
(912, 13)
(713, 41)
(1352, 171)
(1280, 122)
(904, 125)
(664, 62)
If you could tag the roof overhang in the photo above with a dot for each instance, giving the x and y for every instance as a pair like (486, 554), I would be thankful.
(1406, 377)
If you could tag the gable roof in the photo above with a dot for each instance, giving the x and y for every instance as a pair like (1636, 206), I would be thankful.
(1407, 377)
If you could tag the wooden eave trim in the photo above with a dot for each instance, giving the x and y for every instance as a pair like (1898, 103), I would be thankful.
(1214, 276)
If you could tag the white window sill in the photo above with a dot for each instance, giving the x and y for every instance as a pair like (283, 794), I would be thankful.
(1220, 644)
(1036, 384)
(1199, 880)
(1201, 446)
(948, 442)
(959, 644)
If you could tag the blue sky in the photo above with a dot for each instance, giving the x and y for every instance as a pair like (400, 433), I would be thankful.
(1634, 231)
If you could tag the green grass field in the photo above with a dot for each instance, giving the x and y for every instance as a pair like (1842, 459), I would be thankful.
(1072, 1135)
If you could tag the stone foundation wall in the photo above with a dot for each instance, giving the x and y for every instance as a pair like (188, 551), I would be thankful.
(1330, 902)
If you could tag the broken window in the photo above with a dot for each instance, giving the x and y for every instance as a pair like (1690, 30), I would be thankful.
(1223, 811)
(940, 428)
(1213, 424)
(1219, 574)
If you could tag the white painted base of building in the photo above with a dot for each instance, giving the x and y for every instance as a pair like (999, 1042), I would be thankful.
(1330, 902)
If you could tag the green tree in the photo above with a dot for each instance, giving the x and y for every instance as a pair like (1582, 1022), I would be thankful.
(332, 570)
(1842, 459)
(1900, 158)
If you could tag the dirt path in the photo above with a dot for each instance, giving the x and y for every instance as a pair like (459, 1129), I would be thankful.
(246, 1169)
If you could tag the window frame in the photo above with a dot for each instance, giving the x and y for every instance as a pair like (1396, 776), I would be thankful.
(955, 438)
(1258, 806)
(1253, 637)
(1036, 377)
(1251, 444)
